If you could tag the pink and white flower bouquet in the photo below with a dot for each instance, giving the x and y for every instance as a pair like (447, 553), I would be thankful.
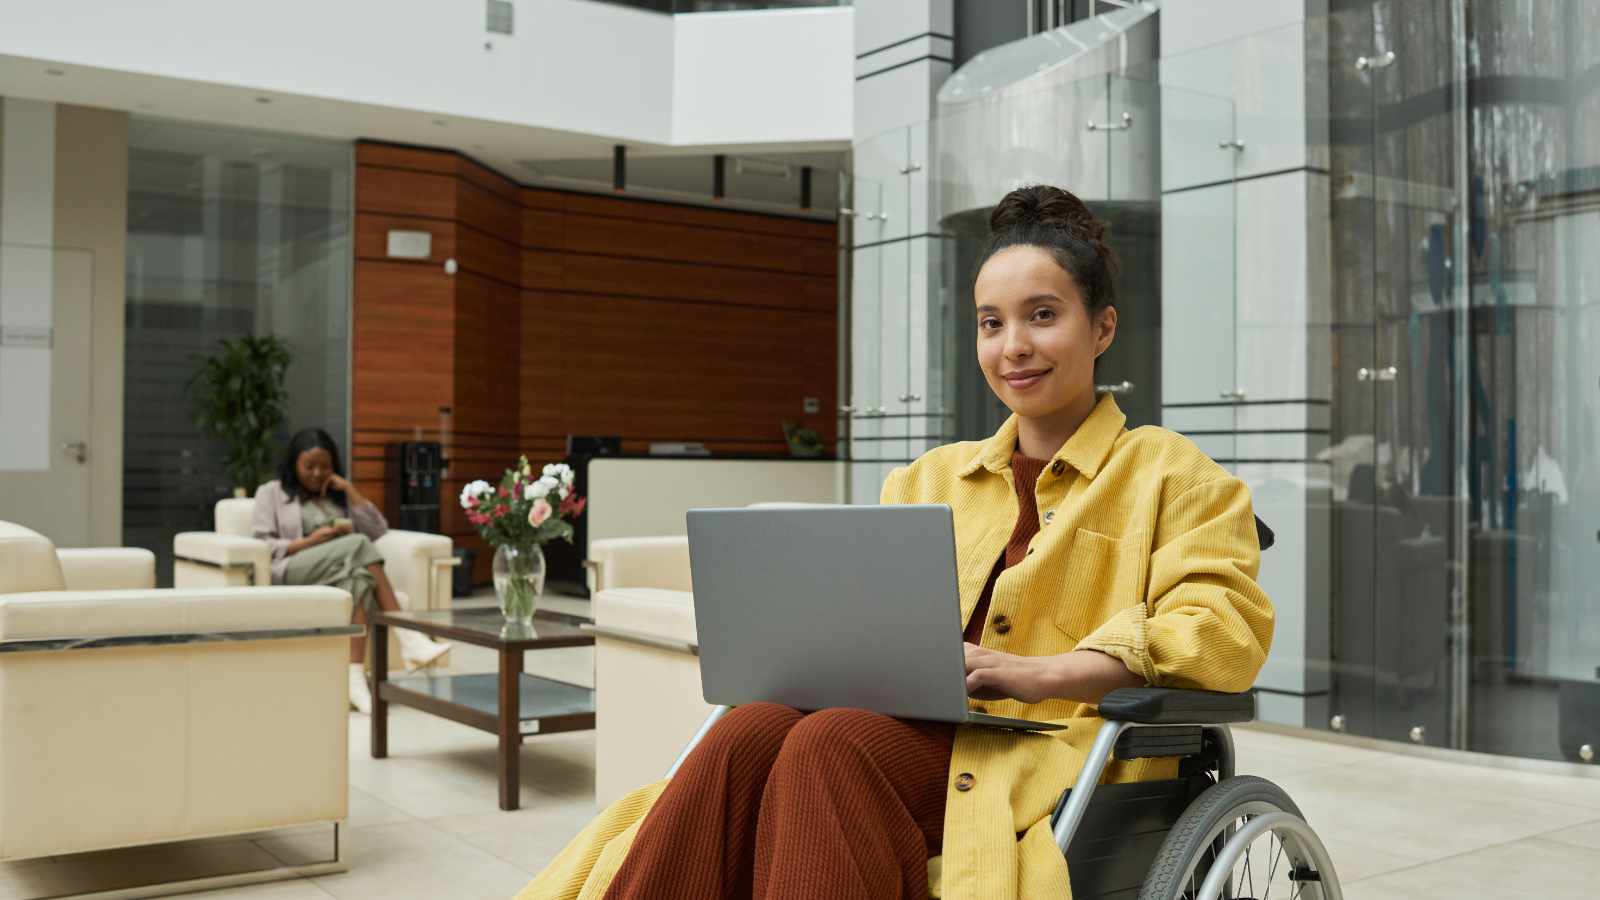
(518, 517)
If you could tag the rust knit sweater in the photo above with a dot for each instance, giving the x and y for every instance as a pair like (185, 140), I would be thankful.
(1025, 470)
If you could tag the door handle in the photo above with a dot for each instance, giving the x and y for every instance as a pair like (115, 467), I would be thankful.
(1235, 144)
(1386, 374)
(1124, 388)
(1124, 125)
(1236, 395)
(1363, 63)
(909, 398)
(77, 451)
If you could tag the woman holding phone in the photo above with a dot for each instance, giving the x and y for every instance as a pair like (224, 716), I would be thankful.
(321, 529)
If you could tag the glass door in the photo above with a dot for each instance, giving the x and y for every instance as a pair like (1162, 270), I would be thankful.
(1394, 442)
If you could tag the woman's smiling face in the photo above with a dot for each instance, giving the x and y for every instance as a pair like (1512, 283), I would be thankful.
(314, 467)
(1036, 342)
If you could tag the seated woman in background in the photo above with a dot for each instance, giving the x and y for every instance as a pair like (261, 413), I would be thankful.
(321, 531)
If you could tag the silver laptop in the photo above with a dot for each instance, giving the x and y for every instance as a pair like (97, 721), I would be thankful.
(817, 607)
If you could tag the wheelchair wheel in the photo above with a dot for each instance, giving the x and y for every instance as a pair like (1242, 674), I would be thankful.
(1273, 865)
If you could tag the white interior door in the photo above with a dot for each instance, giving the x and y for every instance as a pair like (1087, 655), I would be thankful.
(45, 364)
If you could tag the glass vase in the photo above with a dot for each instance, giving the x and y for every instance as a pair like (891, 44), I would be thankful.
(518, 580)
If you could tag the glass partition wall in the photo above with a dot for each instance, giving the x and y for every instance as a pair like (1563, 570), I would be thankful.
(1466, 405)
(1098, 137)
(229, 231)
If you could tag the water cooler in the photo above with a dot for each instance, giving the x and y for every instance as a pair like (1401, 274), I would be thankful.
(414, 477)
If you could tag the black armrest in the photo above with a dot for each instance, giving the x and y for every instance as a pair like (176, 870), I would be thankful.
(1174, 706)
(1264, 535)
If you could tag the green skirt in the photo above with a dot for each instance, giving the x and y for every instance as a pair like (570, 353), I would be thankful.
(341, 563)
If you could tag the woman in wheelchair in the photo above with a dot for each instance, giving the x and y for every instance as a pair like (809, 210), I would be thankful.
(321, 531)
(1090, 558)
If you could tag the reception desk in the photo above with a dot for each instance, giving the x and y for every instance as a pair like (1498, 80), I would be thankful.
(648, 496)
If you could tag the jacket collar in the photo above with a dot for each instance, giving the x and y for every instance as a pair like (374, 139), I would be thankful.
(1085, 451)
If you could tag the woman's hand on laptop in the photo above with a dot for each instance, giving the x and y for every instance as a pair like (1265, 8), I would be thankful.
(1083, 676)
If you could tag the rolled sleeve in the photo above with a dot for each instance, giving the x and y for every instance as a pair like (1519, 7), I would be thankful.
(368, 521)
(1205, 623)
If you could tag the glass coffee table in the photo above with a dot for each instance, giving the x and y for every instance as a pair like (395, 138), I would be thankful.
(509, 703)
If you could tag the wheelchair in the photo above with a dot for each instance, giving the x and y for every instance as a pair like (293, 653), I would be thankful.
(1199, 836)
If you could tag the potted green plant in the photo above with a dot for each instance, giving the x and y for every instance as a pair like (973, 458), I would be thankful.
(238, 396)
(802, 441)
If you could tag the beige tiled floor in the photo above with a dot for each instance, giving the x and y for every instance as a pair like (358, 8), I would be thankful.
(424, 823)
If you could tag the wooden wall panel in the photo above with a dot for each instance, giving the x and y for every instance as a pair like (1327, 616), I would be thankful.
(686, 216)
(405, 193)
(668, 280)
(488, 211)
(654, 370)
(577, 314)
(489, 256)
(403, 337)
(610, 236)
(393, 157)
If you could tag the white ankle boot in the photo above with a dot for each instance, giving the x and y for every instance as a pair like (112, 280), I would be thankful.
(416, 650)
(360, 696)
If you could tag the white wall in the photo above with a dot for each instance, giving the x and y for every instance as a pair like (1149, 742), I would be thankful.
(572, 66)
(784, 75)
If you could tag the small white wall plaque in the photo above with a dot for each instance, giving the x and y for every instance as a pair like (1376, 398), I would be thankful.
(410, 244)
(36, 336)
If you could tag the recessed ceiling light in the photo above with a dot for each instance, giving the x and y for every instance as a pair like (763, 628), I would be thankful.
(54, 72)
(263, 99)
(440, 122)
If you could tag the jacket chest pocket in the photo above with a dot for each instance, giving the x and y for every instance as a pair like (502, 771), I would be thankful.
(1105, 576)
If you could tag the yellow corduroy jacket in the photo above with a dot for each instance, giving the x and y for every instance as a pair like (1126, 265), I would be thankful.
(1147, 550)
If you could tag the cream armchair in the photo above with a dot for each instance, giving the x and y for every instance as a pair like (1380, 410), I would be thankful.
(648, 701)
(130, 715)
(418, 564)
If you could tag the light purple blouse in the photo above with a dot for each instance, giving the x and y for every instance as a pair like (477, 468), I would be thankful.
(276, 520)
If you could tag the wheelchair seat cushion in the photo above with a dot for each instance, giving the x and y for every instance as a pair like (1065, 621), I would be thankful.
(1174, 706)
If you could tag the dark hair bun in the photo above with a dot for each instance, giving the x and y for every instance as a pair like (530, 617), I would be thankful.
(1042, 207)
(1057, 222)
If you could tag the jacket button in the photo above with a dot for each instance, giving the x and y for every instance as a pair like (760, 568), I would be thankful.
(1002, 624)
(1049, 515)
(1056, 467)
(965, 781)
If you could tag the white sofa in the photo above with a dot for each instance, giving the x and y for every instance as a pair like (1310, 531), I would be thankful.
(130, 715)
(418, 564)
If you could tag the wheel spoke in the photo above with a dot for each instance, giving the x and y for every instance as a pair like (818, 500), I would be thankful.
(1272, 867)
(1247, 874)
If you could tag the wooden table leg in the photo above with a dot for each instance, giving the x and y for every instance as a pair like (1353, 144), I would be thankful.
(378, 643)
(510, 733)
